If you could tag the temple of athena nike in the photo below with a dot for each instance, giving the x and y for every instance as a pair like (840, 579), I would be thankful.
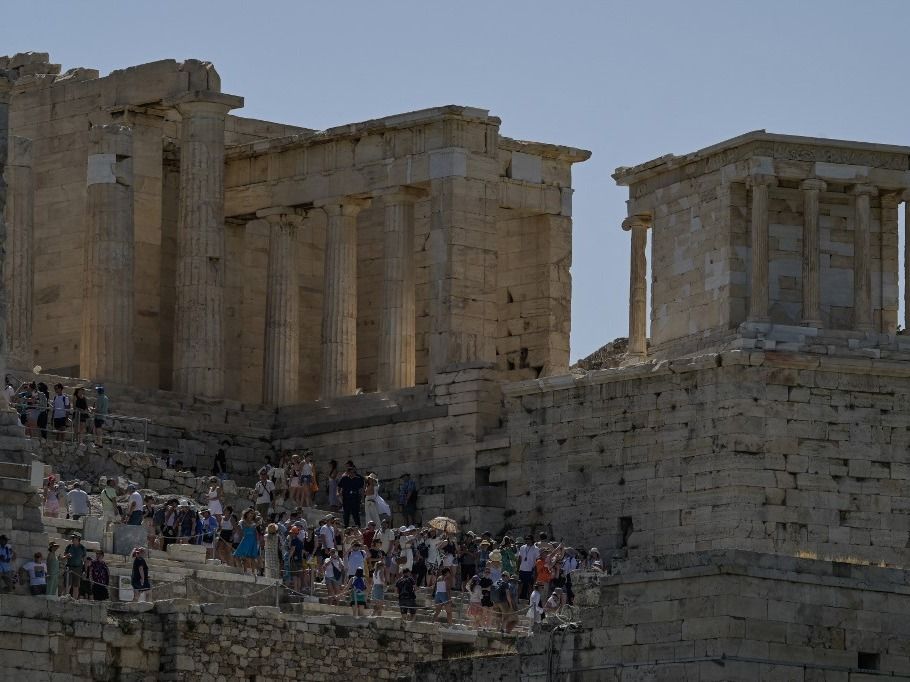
(397, 292)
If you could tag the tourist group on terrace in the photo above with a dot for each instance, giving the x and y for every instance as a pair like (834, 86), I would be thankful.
(353, 552)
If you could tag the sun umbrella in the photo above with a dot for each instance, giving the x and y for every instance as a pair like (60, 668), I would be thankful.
(444, 524)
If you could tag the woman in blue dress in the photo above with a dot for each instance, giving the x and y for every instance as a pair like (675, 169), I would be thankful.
(248, 549)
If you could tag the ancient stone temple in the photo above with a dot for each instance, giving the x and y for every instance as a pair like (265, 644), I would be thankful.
(397, 292)
(159, 240)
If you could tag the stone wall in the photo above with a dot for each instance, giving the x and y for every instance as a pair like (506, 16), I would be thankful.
(174, 640)
(764, 451)
(732, 616)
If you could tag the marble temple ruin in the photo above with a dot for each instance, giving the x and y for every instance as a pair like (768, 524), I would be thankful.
(398, 291)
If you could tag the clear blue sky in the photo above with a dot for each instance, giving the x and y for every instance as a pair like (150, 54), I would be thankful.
(628, 80)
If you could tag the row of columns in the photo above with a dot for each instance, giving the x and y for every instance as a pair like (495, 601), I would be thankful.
(397, 359)
(760, 185)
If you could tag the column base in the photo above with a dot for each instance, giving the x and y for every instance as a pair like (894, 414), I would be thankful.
(633, 359)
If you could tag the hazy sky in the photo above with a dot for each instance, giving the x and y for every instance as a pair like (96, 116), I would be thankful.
(629, 81)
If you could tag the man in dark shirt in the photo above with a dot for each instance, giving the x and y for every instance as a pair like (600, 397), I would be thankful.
(407, 599)
(351, 485)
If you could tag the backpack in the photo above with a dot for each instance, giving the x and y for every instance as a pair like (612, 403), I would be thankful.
(500, 592)
(360, 584)
(424, 550)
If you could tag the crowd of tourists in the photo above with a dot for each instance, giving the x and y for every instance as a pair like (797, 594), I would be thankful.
(494, 580)
(66, 416)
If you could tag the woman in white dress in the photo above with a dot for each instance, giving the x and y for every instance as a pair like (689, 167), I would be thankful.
(215, 498)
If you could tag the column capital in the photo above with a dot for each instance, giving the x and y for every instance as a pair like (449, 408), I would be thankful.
(639, 220)
(402, 193)
(763, 179)
(864, 190)
(813, 185)
(205, 101)
(343, 206)
(283, 214)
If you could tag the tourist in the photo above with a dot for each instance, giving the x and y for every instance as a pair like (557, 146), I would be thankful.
(85, 579)
(149, 513)
(407, 499)
(555, 602)
(358, 587)
(332, 571)
(139, 578)
(263, 492)
(7, 557)
(100, 576)
(51, 498)
(308, 479)
(80, 413)
(441, 595)
(295, 549)
(109, 507)
(248, 549)
(508, 557)
(36, 570)
(134, 508)
(215, 496)
(351, 486)
(186, 524)
(31, 410)
(527, 559)
(332, 487)
(271, 553)
(505, 603)
(53, 570)
(219, 466)
(494, 563)
(592, 558)
(486, 596)
(407, 596)
(295, 480)
(208, 532)
(170, 527)
(535, 610)
(102, 409)
(468, 560)
(569, 565)
(378, 591)
(356, 559)
(225, 543)
(61, 409)
(543, 570)
(475, 598)
(74, 558)
(44, 398)
(77, 500)
(371, 492)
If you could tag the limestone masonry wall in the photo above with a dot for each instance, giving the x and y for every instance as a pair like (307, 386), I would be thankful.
(174, 640)
(771, 452)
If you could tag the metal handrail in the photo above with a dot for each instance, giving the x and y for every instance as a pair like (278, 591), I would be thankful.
(86, 417)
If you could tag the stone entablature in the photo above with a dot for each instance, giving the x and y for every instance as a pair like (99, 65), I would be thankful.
(768, 231)
(446, 241)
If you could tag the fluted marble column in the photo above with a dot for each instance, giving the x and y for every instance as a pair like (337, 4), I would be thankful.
(397, 323)
(862, 258)
(811, 274)
(758, 297)
(906, 199)
(638, 286)
(281, 366)
(339, 309)
(19, 276)
(199, 309)
(5, 87)
(108, 309)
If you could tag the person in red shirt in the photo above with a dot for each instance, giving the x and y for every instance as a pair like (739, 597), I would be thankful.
(369, 533)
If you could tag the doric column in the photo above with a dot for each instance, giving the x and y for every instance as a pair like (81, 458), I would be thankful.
(339, 308)
(5, 86)
(638, 285)
(758, 298)
(19, 278)
(811, 280)
(862, 258)
(199, 309)
(906, 200)
(397, 322)
(106, 349)
(281, 366)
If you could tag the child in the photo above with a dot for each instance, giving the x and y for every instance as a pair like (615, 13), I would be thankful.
(475, 609)
(378, 588)
(358, 587)
(536, 608)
